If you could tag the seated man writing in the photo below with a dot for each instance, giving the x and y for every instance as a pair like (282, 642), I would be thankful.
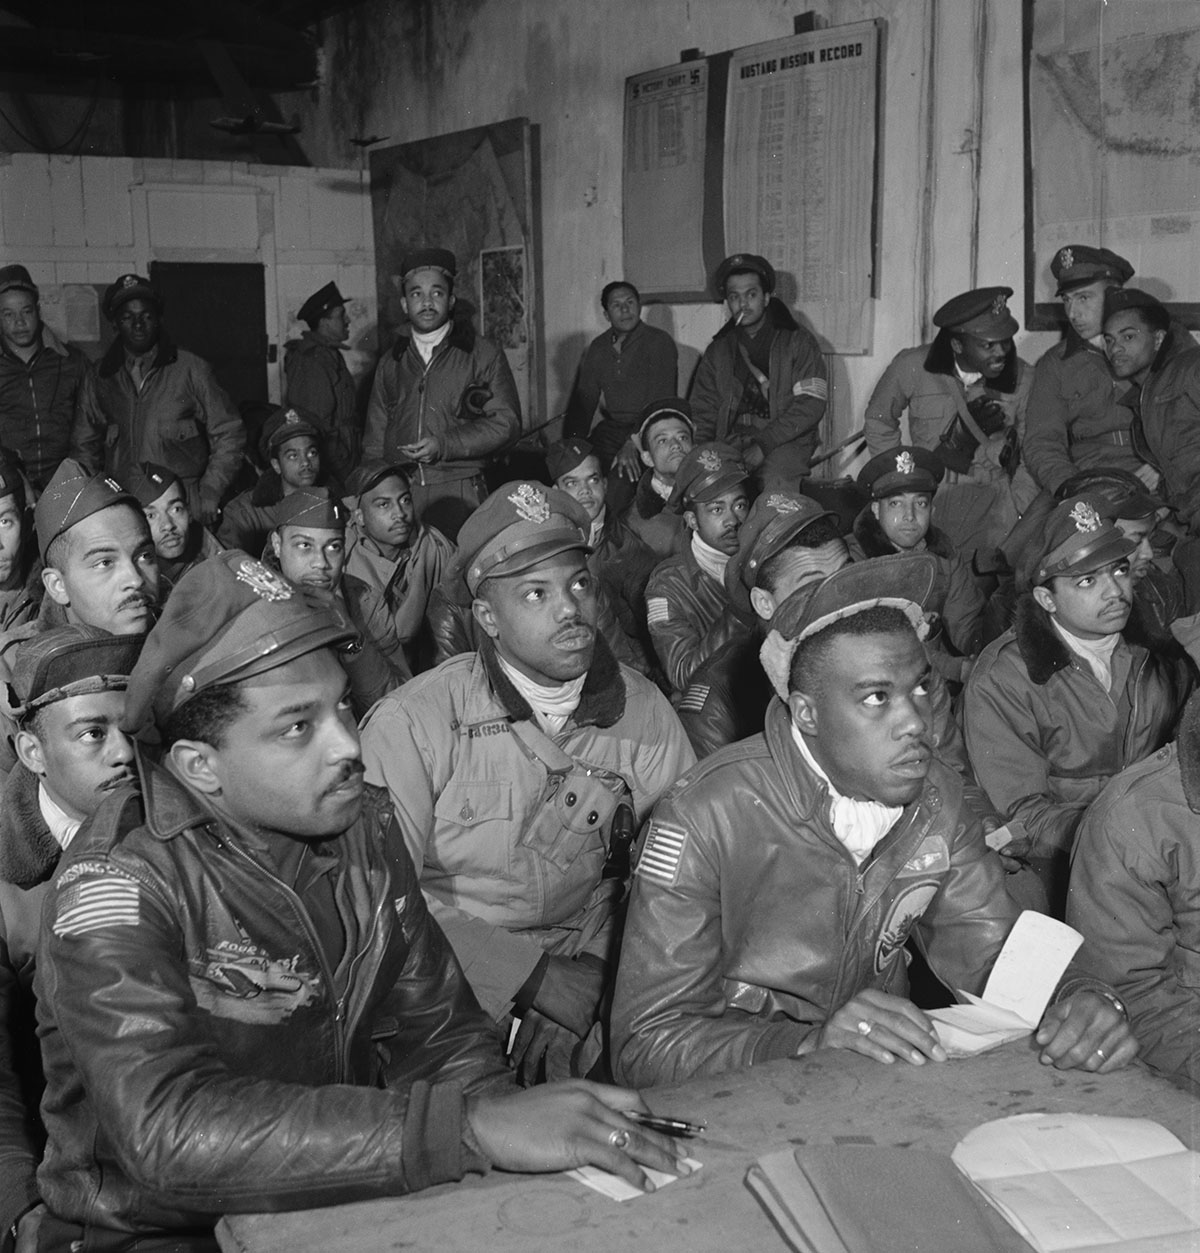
(780, 879)
(244, 1003)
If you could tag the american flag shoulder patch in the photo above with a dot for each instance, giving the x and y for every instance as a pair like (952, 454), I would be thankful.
(657, 609)
(817, 387)
(694, 698)
(661, 853)
(107, 899)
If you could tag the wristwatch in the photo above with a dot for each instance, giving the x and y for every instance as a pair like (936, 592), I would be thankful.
(1115, 1001)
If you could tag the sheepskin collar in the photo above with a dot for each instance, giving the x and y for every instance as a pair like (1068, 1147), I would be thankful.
(875, 543)
(601, 704)
(28, 852)
(1042, 648)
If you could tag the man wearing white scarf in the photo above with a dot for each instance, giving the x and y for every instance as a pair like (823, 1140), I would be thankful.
(777, 887)
(687, 608)
(517, 772)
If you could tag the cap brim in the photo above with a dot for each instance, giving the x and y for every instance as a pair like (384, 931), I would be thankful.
(1090, 560)
(529, 557)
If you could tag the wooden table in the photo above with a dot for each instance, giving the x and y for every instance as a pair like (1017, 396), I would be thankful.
(831, 1098)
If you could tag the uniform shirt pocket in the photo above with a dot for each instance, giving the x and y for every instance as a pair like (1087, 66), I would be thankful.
(473, 826)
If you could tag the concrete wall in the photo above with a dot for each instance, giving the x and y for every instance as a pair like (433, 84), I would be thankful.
(77, 223)
(953, 210)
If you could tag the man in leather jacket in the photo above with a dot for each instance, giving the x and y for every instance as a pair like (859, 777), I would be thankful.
(244, 1002)
(779, 879)
(72, 754)
(515, 769)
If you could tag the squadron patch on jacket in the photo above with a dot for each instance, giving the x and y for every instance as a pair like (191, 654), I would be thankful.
(657, 609)
(661, 854)
(904, 914)
(91, 904)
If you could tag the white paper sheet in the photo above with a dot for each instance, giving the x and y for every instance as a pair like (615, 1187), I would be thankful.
(620, 1189)
(1079, 1181)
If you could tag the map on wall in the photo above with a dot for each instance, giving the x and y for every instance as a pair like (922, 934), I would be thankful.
(770, 149)
(1114, 112)
(471, 192)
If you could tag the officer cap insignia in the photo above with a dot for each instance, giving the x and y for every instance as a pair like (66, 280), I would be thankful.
(291, 417)
(114, 485)
(709, 460)
(262, 580)
(531, 504)
(905, 464)
(1066, 258)
(1085, 517)
(782, 504)
(1000, 305)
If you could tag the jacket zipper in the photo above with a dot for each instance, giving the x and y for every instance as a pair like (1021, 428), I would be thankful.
(339, 1033)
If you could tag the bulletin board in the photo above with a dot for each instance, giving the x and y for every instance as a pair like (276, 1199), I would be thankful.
(1113, 122)
(771, 149)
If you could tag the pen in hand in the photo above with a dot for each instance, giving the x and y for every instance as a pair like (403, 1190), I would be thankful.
(667, 1126)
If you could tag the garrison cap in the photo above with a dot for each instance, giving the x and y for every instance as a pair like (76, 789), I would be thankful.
(905, 468)
(658, 410)
(983, 312)
(16, 278)
(148, 481)
(229, 618)
(517, 526)
(311, 506)
(371, 473)
(1118, 299)
(748, 262)
(284, 423)
(321, 302)
(706, 472)
(1076, 539)
(901, 581)
(774, 520)
(129, 287)
(71, 661)
(564, 456)
(1077, 264)
(72, 495)
(428, 259)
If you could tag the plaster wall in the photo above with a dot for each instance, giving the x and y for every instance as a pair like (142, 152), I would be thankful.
(78, 223)
(952, 175)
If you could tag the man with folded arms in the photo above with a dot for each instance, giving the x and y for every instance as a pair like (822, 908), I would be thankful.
(244, 1002)
(779, 881)
(70, 684)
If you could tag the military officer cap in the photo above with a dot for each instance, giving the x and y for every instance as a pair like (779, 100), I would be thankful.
(901, 469)
(148, 481)
(70, 661)
(1118, 493)
(311, 506)
(901, 581)
(284, 423)
(704, 473)
(774, 520)
(564, 456)
(321, 302)
(1118, 299)
(1077, 264)
(982, 312)
(72, 495)
(129, 287)
(16, 278)
(659, 411)
(229, 618)
(1076, 539)
(371, 473)
(517, 526)
(744, 262)
(428, 259)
